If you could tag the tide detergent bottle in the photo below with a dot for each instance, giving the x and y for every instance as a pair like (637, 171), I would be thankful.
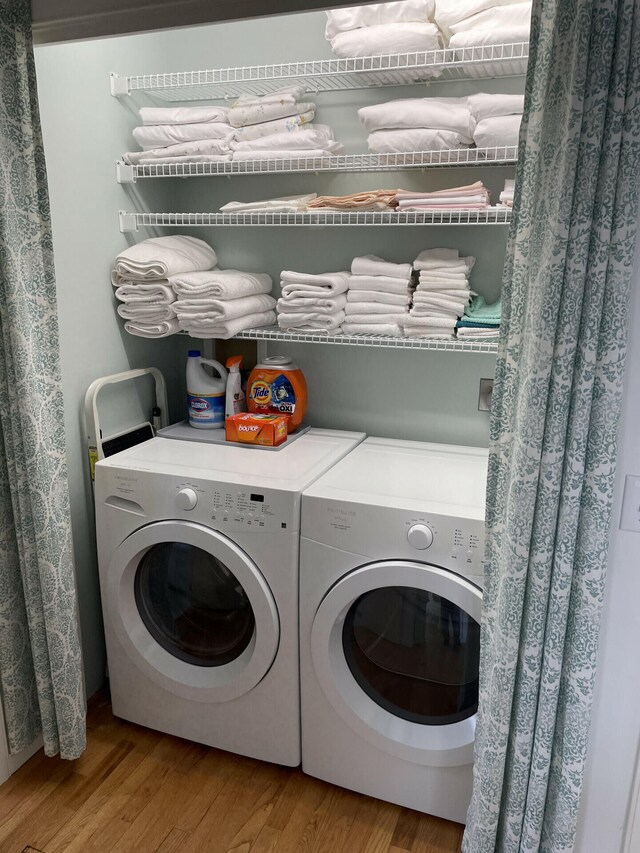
(205, 394)
(277, 386)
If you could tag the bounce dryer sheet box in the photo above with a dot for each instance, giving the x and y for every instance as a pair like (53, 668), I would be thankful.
(269, 430)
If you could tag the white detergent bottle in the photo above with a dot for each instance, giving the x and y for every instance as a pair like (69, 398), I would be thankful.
(205, 394)
(236, 401)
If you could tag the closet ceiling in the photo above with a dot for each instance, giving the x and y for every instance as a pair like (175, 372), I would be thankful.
(69, 20)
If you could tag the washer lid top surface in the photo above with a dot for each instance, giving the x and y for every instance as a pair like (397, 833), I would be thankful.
(412, 475)
(289, 470)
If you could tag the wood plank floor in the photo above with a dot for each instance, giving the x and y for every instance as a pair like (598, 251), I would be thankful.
(137, 790)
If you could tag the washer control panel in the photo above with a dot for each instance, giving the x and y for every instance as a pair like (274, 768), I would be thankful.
(228, 507)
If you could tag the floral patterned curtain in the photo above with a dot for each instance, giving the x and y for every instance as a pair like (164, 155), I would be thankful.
(554, 423)
(40, 660)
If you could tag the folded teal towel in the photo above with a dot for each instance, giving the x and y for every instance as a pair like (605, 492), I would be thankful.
(481, 313)
(471, 324)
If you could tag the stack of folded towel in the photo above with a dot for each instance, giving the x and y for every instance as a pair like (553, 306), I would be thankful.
(383, 28)
(221, 303)
(480, 321)
(418, 124)
(507, 194)
(378, 297)
(182, 134)
(312, 303)
(442, 293)
(497, 119)
(483, 22)
(143, 277)
(471, 197)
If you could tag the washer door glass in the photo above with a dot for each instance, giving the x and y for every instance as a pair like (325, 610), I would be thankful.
(193, 605)
(415, 653)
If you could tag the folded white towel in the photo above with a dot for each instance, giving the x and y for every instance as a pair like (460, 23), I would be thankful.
(161, 329)
(225, 330)
(286, 204)
(304, 304)
(401, 11)
(146, 313)
(428, 285)
(385, 284)
(450, 12)
(299, 284)
(496, 18)
(448, 275)
(434, 312)
(158, 293)
(221, 310)
(387, 330)
(372, 265)
(355, 309)
(451, 114)
(254, 113)
(370, 319)
(424, 295)
(211, 148)
(290, 153)
(483, 105)
(479, 38)
(311, 321)
(160, 257)
(161, 135)
(444, 259)
(402, 140)
(220, 284)
(307, 136)
(385, 39)
(183, 115)
(480, 334)
(441, 323)
(279, 125)
(498, 131)
(378, 296)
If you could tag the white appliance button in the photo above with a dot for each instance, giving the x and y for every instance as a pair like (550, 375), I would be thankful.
(186, 499)
(420, 536)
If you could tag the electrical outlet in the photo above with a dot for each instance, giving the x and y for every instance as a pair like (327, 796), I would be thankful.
(630, 518)
(484, 396)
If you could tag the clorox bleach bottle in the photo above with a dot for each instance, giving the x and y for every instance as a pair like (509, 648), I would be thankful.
(205, 394)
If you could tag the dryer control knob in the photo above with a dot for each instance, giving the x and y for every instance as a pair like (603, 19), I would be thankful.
(420, 536)
(186, 499)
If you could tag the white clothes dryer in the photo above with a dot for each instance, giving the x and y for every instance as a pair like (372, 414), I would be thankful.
(198, 548)
(391, 577)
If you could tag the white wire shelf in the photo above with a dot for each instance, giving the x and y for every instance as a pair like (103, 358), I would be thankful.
(490, 216)
(498, 156)
(328, 75)
(273, 333)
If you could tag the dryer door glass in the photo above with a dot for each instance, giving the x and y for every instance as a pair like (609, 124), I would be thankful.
(416, 654)
(192, 604)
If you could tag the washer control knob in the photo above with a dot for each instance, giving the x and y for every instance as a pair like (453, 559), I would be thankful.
(186, 499)
(420, 536)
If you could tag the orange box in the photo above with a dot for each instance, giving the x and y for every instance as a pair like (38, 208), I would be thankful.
(266, 430)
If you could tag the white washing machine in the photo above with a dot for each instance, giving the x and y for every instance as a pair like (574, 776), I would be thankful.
(198, 549)
(391, 575)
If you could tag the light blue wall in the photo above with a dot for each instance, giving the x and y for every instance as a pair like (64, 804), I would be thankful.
(420, 395)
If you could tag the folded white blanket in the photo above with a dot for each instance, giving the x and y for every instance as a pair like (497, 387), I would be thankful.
(311, 321)
(282, 95)
(291, 203)
(229, 328)
(386, 284)
(270, 111)
(146, 313)
(401, 11)
(450, 12)
(161, 329)
(212, 148)
(162, 135)
(386, 39)
(415, 139)
(498, 131)
(444, 259)
(215, 310)
(358, 309)
(379, 297)
(290, 153)
(160, 257)
(483, 105)
(372, 265)
(307, 136)
(158, 293)
(387, 330)
(183, 115)
(438, 113)
(220, 284)
(479, 38)
(497, 17)
(320, 304)
(280, 125)
(186, 158)
(299, 284)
